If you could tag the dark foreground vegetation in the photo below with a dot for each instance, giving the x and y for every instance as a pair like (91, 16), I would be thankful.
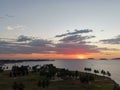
(48, 77)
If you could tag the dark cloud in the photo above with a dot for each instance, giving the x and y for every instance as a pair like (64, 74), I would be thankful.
(76, 38)
(20, 46)
(24, 48)
(45, 46)
(115, 40)
(3, 43)
(69, 44)
(71, 48)
(109, 49)
(23, 38)
(40, 42)
(10, 16)
(75, 32)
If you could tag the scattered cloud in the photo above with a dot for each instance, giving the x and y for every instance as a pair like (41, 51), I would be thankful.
(6, 16)
(23, 38)
(45, 46)
(75, 32)
(40, 42)
(76, 38)
(23, 48)
(115, 40)
(16, 27)
(10, 16)
(109, 49)
(71, 43)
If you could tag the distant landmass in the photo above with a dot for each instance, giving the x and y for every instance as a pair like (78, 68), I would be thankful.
(115, 58)
(91, 58)
(25, 60)
(103, 59)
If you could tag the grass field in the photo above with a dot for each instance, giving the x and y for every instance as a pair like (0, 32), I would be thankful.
(30, 82)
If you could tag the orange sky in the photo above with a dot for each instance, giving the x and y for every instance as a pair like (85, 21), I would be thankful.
(58, 56)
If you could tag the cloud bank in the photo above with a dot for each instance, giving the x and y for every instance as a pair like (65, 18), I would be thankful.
(23, 38)
(69, 43)
(115, 40)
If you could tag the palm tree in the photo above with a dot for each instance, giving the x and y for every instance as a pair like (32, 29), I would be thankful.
(108, 73)
(96, 71)
(103, 72)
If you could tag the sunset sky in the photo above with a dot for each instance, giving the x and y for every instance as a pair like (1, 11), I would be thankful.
(59, 29)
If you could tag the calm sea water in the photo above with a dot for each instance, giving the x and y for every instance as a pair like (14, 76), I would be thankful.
(113, 66)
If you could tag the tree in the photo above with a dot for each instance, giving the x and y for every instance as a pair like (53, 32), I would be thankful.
(116, 87)
(39, 83)
(76, 74)
(86, 78)
(18, 86)
(43, 84)
(47, 82)
(108, 73)
(21, 86)
(1, 69)
(103, 72)
(15, 86)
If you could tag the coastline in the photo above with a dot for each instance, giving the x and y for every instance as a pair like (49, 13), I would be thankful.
(74, 82)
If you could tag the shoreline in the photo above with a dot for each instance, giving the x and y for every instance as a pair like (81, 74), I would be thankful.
(76, 79)
(55, 60)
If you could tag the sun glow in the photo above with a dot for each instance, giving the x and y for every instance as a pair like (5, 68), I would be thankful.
(81, 57)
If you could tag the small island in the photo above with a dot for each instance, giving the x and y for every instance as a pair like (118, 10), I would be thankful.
(103, 59)
(116, 58)
(49, 77)
(91, 58)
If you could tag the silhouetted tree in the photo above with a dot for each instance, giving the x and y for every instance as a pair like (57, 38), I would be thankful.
(1, 69)
(48, 70)
(108, 73)
(21, 86)
(96, 71)
(18, 86)
(47, 82)
(87, 69)
(10, 74)
(19, 71)
(76, 74)
(116, 87)
(43, 84)
(15, 86)
(103, 72)
(86, 78)
(39, 83)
